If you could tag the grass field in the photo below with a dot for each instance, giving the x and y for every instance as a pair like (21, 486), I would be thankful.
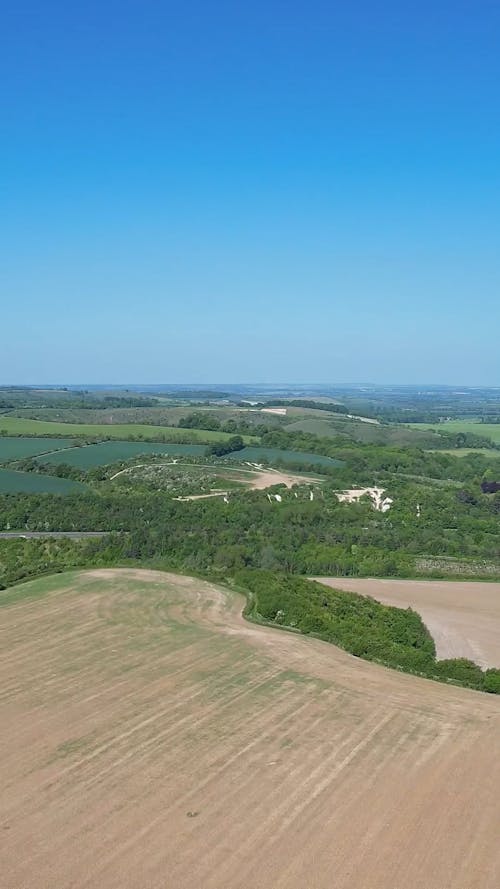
(488, 430)
(166, 416)
(20, 448)
(31, 483)
(316, 426)
(191, 481)
(331, 426)
(183, 479)
(491, 453)
(20, 426)
(106, 452)
(90, 456)
(462, 616)
(153, 738)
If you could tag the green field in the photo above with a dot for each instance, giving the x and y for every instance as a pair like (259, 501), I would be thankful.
(490, 453)
(90, 456)
(274, 455)
(121, 416)
(151, 416)
(487, 430)
(31, 483)
(21, 448)
(20, 426)
(157, 416)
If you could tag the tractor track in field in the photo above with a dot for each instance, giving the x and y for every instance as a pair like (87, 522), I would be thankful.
(153, 737)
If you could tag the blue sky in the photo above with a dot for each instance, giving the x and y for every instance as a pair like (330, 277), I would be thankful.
(230, 191)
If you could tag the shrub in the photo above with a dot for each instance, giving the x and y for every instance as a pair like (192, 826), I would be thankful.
(357, 623)
(460, 670)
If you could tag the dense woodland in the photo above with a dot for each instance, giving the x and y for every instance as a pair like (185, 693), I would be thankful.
(366, 628)
(444, 521)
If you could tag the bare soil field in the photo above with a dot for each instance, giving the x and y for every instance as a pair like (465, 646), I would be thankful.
(265, 478)
(463, 617)
(152, 739)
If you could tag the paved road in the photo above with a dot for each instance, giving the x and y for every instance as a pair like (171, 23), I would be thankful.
(74, 535)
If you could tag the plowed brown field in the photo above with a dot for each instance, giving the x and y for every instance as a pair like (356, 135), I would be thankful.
(152, 739)
(462, 616)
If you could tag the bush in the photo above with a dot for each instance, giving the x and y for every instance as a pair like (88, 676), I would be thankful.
(220, 449)
(357, 623)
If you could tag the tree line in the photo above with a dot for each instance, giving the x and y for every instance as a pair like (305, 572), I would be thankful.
(391, 636)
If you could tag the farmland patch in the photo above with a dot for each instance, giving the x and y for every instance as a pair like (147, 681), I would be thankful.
(106, 452)
(12, 482)
(21, 426)
(21, 448)
(149, 731)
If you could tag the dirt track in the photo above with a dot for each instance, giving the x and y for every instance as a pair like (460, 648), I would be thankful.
(463, 617)
(151, 738)
(264, 478)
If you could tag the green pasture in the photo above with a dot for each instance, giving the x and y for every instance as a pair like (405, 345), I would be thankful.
(32, 483)
(487, 430)
(90, 456)
(274, 455)
(21, 426)
(365, 433)
(21, 448)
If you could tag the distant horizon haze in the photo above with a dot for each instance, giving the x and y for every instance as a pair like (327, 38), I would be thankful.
(248, 385)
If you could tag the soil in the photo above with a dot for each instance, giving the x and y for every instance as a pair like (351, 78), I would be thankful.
(259, 480)
(463, 617)
(254, 479)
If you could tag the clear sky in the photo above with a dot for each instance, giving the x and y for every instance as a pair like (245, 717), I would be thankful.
(231, 190)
